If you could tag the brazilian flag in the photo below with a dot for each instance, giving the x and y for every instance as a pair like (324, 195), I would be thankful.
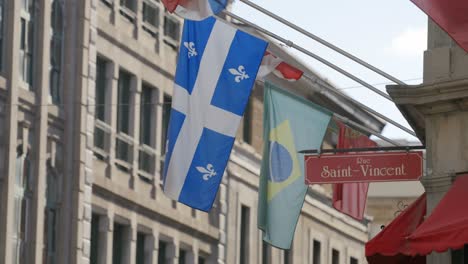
(291, 123)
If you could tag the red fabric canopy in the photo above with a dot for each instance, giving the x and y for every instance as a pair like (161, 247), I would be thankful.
(391, 245)
(447, 226)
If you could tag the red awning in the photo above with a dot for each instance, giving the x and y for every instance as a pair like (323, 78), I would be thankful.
(391, 245)
(447, 226)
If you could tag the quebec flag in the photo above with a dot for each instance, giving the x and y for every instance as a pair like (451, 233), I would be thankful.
(214, 78)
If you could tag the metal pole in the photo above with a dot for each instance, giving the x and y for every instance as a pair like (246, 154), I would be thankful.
(323, 42)
(357, 126)
(317, 151)
(325, 85)
(310, 54)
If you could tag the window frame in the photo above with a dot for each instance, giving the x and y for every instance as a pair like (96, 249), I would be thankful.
(56, 65)
(27, 43)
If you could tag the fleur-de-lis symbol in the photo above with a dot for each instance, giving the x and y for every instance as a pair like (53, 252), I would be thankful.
(191, 49)
(239, 73)
(208, 172)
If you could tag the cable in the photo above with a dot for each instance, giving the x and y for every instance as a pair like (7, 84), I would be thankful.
(374, 84)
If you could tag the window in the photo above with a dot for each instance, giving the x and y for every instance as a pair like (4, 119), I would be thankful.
(162, 252)
(171, 28)
(146, 115)
(244, 236)
(335, 256)
(120, 246)
(21, 205)
(124, 149)
(317, 249)
(353, 261)
(123, 109)
(129, 4)
(1, 33)
(95, 249)
(286, 256)
(166, 112)
(50, 215)
(100, 103)
(182, 256)
(108, 3)
(27, 41)
(56, 50)
(265, 253)
(101, 89)
(146, 157)
(247, 124)
(150, 14)
(201, 260)
(140, 248)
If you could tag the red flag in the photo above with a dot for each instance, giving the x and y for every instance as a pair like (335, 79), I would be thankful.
(281, 69)
(450, 15)
(351, 198)
(170, 4)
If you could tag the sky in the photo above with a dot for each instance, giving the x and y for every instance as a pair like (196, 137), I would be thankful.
(388, 34)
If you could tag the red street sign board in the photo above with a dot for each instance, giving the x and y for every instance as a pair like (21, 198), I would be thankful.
(363, 167)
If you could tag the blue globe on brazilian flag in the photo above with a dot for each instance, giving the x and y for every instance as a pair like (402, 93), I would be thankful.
(284, 166)
(291, 123)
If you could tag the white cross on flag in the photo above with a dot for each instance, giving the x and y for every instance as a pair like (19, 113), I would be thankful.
(215, 74)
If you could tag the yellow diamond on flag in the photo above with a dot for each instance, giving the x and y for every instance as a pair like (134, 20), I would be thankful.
(284, 166)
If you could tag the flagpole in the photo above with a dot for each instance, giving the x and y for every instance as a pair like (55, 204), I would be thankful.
(310, 54)
(323, 42)
(357, 126)
(322, 84)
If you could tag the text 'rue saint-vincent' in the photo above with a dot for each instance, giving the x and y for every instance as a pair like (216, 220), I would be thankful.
(362, 167)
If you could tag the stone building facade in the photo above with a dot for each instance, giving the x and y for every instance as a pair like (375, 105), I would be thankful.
(85, 92)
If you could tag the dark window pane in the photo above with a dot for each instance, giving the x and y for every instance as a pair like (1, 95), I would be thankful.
(123, 112)
(353, 261)
(247, 123)
(335, 256)
(286, 257)
(1, 33)
(130, 4)
(151, 14)
(165, 122)
(171, 28)
(317, 249)
(146, 110)
(201, 260)
(162, 252)
(265, 253)
(244, 236)
(182, 256)
(95, 251)
(118, 244)
(100, 89)
(140, 250)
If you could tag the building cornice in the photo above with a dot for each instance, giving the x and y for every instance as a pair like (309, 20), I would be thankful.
(417, 101)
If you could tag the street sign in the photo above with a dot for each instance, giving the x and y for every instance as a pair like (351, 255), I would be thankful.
(363, 167)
